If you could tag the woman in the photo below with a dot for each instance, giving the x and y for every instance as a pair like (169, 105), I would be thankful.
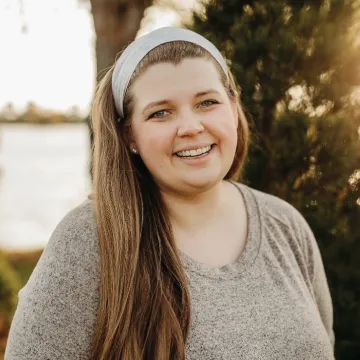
(172, 258)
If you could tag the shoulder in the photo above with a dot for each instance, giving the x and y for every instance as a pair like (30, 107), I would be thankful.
(71, 249)
(277, 209)
(74, 240)
(82, 217)
(78, 222)
(283, 225)
(278, 218)
(77, 233)
(60, 299)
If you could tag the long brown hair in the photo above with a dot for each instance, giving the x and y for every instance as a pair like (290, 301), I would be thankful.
(144, 310)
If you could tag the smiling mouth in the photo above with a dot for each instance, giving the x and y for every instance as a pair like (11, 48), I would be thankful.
(187, 154)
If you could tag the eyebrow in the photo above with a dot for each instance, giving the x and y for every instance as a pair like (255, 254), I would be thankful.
(164, 102)
(155, 103)
(206, 92)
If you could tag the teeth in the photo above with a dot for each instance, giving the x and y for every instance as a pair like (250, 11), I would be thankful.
(195, 152)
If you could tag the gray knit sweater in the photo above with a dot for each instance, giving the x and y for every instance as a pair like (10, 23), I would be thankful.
(272, 303)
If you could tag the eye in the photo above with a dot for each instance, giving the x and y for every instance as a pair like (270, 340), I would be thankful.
(158, 114)
(208, 103)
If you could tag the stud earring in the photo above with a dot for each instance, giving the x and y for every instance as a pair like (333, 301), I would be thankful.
(134, 151)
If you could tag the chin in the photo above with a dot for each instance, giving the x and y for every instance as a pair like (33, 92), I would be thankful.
(202, 182)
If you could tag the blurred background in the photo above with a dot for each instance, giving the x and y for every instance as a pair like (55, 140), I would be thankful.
(298, 65)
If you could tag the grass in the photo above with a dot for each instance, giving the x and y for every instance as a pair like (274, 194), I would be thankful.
(22, 264)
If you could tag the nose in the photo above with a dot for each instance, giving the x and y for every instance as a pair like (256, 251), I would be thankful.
(189, 125)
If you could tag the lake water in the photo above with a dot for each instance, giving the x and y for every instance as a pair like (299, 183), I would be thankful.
(43, 175)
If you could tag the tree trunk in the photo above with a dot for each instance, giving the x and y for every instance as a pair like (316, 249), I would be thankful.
(116, 24)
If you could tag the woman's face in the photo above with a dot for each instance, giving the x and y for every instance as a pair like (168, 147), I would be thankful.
(184, 125)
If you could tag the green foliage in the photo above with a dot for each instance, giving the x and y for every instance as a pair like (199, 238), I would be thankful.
(298, 65)
(24, 263)
(15, 270)
(9, 286)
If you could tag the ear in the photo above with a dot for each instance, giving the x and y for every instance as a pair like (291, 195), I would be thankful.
(130, 140)
(132, 145)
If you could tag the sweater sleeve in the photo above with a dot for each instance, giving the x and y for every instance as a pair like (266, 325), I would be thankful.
(56, 312)
(318, 278)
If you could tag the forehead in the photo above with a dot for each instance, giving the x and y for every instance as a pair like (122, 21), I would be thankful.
(167, 80)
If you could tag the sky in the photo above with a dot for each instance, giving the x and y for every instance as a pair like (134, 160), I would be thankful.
(52, 63)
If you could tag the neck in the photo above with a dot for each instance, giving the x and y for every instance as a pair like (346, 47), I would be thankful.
(187, 212)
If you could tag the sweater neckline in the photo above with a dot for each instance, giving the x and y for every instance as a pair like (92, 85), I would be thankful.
(245, 261)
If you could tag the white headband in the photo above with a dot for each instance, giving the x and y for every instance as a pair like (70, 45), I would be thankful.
(135, 52)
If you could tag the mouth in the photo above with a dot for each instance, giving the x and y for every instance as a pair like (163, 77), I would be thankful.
(195, 153)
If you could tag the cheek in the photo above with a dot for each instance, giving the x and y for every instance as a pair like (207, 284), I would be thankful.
(224, 126)
(155, 139)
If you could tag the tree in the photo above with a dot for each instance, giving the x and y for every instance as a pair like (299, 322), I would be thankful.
(116, 24)
(298, 66)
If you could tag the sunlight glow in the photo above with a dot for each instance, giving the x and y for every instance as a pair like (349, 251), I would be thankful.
(47, 51)
(52, 63)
